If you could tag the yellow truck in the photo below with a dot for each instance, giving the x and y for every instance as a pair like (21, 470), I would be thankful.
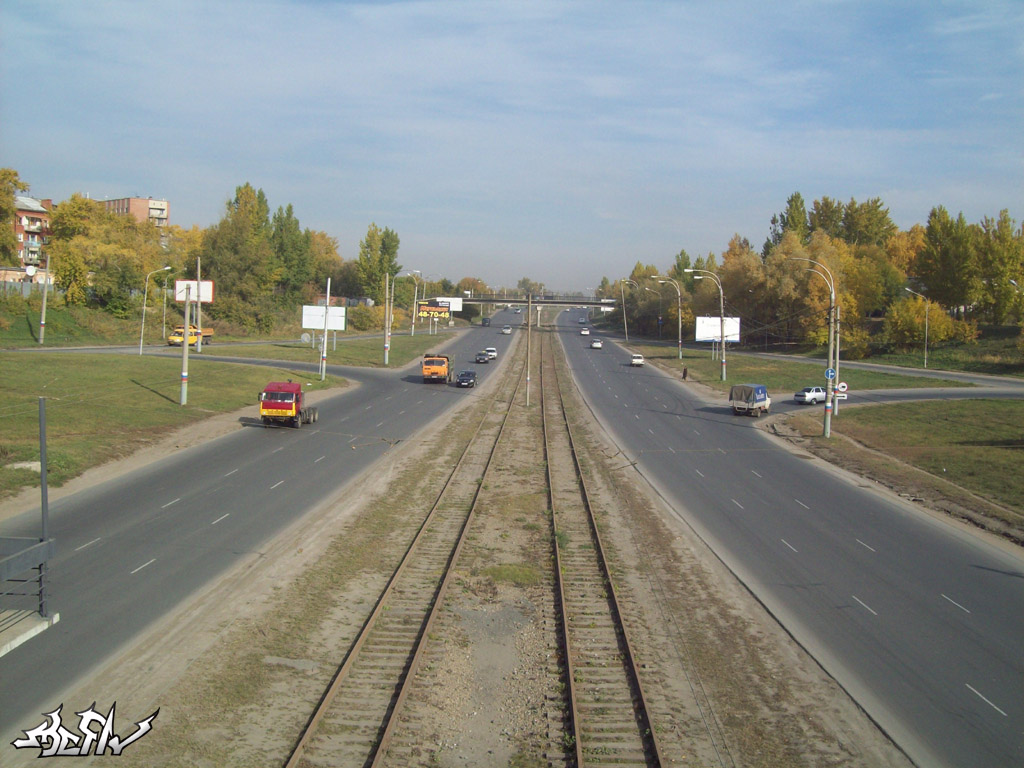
(178, 334)
(437, 368)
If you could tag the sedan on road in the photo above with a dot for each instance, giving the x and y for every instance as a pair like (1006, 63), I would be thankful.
(466, 379)
(507, 330)
(482, 357)
(636, 360)
(810, 395)
(596, 344)
(584, 331)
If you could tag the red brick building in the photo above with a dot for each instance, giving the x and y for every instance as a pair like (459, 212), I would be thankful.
(142, 208)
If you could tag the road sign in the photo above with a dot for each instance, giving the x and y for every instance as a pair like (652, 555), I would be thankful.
(839, 395)
(842, 386)
(830, 373)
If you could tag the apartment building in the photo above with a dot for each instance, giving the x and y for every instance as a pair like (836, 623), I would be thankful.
(142, 208)
(31, 228)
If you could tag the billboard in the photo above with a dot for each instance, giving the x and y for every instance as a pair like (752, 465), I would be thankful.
(313, 318)
(202, 289)
(710, 329)
(454, 302)
(434, 309)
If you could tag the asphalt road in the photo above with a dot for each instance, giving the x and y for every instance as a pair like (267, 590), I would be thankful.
(920, 620)
(132, 549)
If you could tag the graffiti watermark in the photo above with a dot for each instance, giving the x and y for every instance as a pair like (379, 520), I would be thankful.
(95, 734)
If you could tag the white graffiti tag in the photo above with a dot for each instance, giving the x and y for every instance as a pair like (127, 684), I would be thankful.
(54, 740)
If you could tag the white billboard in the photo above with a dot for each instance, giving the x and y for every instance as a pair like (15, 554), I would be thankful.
(710, 329)
(454, 302)
(202, 289)
(313, 318)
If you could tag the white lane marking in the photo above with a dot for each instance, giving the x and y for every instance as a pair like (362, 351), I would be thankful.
(789, 545)
(672, 449)
(801, 503)
(379, 424)
(736, 503)
(865, 545)
(95, 540)
(721, 452)
(866, 606)
(388, 397)
(320, 459)
(346, 418)
(354, 437)
(220, 518)
(143, 566)
(954, 602)
(699, 472)
(650, 430)
(169, 503)
(978, 694)
(279, 482)
(696, 433)
(229, 474)
(278, 449)
(757, 473)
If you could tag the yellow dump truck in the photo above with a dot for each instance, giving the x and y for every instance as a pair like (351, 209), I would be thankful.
(178, 334)
(437, 368)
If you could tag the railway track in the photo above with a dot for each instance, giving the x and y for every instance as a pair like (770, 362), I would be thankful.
(353, 721)
(608, 721)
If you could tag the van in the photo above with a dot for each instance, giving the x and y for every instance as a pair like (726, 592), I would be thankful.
(486, 322)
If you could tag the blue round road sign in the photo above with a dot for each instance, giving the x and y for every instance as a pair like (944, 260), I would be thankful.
(830, 373)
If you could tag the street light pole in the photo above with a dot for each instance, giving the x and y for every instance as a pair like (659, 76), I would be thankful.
(926, 304)
(622, 290)
(145, 299)
(721, 308)
(679, 309)
(833, 357)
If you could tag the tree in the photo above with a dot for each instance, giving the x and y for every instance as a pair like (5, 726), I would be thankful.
(793, 219)
(378, 257)
(903, 249)
(867, 223)
(948, 265)
(527, 286)
(1000, 254)
(10, 186)
(291, 247)
(827, 216)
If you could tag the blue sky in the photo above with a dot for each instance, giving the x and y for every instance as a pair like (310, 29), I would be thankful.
(560, 141)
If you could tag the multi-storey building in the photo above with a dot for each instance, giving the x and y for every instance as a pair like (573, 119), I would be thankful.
(142, 208)
(31, 228)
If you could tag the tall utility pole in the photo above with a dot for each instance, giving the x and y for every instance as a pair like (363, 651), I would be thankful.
(926, 305)
(833, 357)
(679, 309)
(184, 348)
(199, 306)
(622, 290)
(721, 308)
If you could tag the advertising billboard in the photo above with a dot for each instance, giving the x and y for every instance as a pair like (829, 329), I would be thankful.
(710, 329)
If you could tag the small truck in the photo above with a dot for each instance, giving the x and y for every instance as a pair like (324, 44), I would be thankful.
(281, 402)
(437, 368)
(749, 399)
(178, 334)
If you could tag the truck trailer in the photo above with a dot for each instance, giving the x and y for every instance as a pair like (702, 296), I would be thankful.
(749, 399)
(282, 402)
(178, 335)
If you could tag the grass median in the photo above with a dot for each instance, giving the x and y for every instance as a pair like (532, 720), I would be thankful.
(101, 407)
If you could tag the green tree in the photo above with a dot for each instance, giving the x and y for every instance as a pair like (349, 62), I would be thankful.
(793, 219)
(1000, 253)
(948, 265)
(867, 223)
(10, 186)
(378, 257)
(827, 216)
(292, 256)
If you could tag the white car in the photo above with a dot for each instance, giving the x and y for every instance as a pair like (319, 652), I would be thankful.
(507, 330)
(492, 353)
(596, 344)
(584, 331)
(810, 395)
(636, 360)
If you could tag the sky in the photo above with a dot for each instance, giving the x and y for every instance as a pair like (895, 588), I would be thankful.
(559, 141)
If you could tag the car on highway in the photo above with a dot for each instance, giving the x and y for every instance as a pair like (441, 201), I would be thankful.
(518, 310)
(584, 331)
(482, 357)
(596, 344)
(582, 321)
(636, 360)
(492, 353)
(466, 379)
(506, 329)
(810, 395)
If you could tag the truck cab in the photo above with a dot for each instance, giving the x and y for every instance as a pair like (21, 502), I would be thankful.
(282, 402)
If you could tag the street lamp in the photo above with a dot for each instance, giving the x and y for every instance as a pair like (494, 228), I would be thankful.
(721, 307)
(622, 290)
(926, 305)
(145, 300)
(660, 297)
(833, 354)
(415, 290)
(679, 308)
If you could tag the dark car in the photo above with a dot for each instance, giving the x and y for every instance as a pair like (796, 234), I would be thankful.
(466, 379)
(482, 357)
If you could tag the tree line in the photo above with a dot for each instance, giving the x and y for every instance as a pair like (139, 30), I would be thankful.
(887, 282)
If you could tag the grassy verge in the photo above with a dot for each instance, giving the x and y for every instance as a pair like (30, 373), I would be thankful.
(362, 351)
(956, 459)
(782, 377)
(103, 407)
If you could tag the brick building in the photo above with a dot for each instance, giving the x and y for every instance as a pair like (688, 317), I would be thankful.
(142, 208)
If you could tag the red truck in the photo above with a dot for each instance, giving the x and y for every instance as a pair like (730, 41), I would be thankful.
(281, 401)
